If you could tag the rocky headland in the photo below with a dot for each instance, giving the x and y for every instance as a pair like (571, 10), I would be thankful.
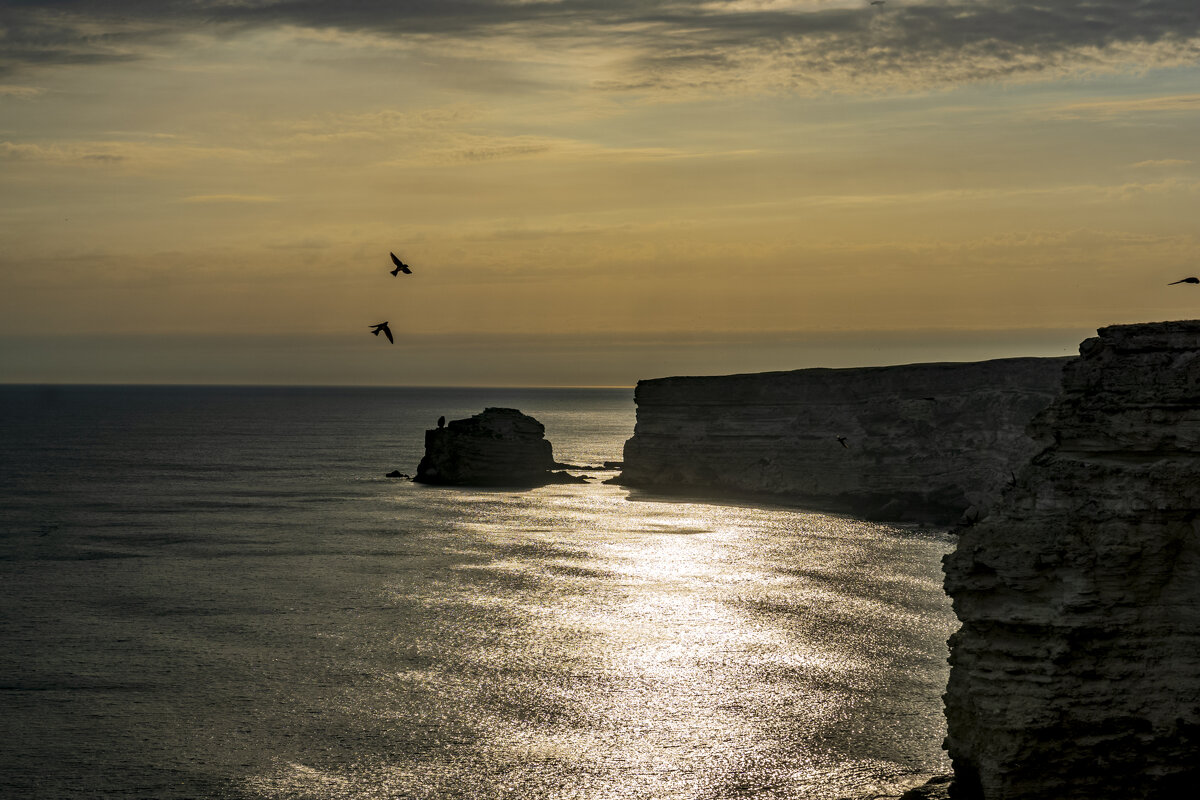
(1076, 673)
(921, 442)
(498, 447)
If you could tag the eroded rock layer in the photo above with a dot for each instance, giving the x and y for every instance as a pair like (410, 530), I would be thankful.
(498, 447)
(915, 442)
(1076, 673)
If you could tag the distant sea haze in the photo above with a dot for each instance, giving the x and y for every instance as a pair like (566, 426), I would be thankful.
(561, 358)
(215, 592)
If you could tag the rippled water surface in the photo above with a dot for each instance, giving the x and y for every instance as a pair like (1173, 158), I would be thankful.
(215, 593)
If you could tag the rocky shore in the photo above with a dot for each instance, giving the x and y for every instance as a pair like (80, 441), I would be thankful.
(922, 442)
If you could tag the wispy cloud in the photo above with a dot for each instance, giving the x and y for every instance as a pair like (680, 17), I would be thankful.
(1181, 103)
(229, 198)
(802, 45)
(443, 136)
(1161, 162)
(132, 155)
(1081, 193)
(20, 92)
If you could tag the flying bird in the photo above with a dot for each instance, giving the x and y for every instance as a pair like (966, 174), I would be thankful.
(878, 2)
(842, 439)
(1185, 280)
(383, 326)
(400, 266)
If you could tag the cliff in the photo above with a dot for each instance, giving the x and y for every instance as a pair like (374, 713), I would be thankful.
(498, 447)
(915, 442)
(1076, 673)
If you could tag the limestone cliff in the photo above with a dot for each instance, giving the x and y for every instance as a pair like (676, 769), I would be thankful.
(498, 447)
(917, 442)
(1076, 673)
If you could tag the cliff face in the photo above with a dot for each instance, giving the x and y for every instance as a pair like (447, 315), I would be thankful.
(500, 447)
(1076, 673)
(921, 442)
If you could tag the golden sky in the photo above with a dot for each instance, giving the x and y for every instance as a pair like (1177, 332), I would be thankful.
(588, 192)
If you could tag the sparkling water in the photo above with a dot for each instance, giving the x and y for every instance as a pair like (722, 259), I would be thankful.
(215, 592)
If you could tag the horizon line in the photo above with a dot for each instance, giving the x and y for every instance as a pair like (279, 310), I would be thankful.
(227, 385)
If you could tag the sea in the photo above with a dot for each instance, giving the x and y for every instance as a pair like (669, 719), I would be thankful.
(215, 592)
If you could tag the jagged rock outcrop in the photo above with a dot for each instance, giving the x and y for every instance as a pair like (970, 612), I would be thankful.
(498, 447)
(937, 788)
(1076, 673)
(922, 442)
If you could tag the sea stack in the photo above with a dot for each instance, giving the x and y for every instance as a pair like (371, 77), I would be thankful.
(1076, 673)
(498, 447)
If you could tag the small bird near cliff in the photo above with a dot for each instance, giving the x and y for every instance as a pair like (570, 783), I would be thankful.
(400, 266)
(842, 439)
(383, 326)
(441, 422)
(1185, 280)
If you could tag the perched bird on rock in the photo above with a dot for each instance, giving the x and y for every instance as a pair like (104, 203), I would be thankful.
(383, 326)
(441, 422)
(842, 439)
(1185, 280)
(400, 266)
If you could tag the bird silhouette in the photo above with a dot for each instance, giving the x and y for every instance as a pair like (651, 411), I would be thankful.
(383, 326)
(400, 266)
(878, 2)
(1185, 280)
(441, 422)
(842, 439)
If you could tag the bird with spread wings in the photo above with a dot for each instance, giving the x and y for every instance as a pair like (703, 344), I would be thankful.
(382, 327)
(400, 266)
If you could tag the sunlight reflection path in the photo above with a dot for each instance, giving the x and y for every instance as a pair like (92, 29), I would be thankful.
(582, 645)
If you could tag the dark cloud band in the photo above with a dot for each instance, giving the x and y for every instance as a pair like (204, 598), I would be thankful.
(957, 38)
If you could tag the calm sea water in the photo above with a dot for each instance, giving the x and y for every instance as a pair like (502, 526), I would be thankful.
(214, 592)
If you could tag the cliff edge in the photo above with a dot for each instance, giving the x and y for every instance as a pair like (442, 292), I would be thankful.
(921, 442)
(1076, 673)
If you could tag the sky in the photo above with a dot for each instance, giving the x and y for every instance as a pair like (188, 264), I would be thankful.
(589, 193)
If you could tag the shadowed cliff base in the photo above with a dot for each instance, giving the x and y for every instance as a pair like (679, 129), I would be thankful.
(1076, 673)
(914, 443)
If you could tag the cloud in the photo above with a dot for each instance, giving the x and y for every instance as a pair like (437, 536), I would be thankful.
(1162, 162)
(229, 198)
(1182, 103)
(156, 154)
(20, 92)
(1078, 192)
(443, 136)
(77, 154)
(701, 45)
